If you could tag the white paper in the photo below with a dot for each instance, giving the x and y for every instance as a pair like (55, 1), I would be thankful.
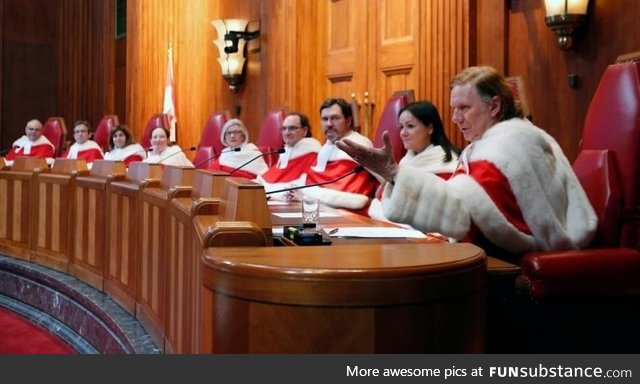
(294, 215)
(378, 232)
(276, 202)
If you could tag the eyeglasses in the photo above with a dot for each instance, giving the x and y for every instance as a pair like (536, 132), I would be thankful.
(231, 133)
(290, 128)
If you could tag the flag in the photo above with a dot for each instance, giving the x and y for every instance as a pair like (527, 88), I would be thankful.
(169, 107)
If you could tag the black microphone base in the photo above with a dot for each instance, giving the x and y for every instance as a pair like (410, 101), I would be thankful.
(303, 234)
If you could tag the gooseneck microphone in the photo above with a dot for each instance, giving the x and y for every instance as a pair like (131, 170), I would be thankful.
(216, 155)
(175, 153)
(358, 168)
(281, 150)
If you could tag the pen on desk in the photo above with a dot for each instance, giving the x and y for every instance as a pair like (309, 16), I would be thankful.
(333, 231)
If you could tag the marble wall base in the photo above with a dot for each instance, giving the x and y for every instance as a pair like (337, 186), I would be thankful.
(84, 317)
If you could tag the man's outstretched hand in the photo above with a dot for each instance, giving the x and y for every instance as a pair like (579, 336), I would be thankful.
(376, 160)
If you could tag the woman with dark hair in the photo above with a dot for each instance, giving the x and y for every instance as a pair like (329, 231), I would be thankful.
(514, 190)
(428, 148)
(122, 147)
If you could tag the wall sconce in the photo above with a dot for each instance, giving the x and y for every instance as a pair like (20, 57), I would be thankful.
(564, 17)
(232, 37)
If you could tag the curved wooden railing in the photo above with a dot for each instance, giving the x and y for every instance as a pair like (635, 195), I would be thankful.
(156, 239)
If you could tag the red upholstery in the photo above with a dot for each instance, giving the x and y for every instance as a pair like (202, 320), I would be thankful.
(157, 120)
(597, 174)
(55, 130)
(608, 167)
(389, 122)
(211, 133)
(101, 135)
(270, 137)
(602, 272)
(204, 157)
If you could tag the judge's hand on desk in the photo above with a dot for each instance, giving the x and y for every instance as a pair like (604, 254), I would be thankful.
(376, 160)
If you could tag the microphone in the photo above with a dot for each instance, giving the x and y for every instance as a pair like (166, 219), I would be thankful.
(281, 150)
(216, 155)
(358, 168)
(175, 153)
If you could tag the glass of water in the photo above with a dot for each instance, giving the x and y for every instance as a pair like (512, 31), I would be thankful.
(311, 211)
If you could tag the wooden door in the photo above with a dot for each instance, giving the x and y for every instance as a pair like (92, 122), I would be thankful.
(372, 51)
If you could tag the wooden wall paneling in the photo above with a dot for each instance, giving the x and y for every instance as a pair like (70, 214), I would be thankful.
(491, 18)
(347, 48)
(16, 207)
(249, 102)
(395, 42)
(89, 222)
(157, 245)
(87, 51)
(446, 34)
(532, 53)
(51, 241)
(30, 64)
(124, 217)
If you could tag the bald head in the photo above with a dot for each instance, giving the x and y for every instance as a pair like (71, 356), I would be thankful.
(33, 130)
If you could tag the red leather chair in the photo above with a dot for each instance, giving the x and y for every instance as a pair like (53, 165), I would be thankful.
(104, 127)
(157, 120)
(55, 130)
(210, 144)
(601, 283)
(270, 137)
(389, 122)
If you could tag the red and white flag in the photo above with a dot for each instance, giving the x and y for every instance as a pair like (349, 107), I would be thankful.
(169, 106)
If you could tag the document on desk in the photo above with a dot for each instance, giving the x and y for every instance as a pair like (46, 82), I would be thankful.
(293, 215)
(377, 232)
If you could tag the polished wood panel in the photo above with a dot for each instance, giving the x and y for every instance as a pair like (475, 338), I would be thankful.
(88, 253)
(344, 299)
(124, 220)
(55, 195)
(159, 248)
(17, 205)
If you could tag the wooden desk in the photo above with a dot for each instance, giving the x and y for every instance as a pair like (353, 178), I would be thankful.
(401, 298)
(495, 267)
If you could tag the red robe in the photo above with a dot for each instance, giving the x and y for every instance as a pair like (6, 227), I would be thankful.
(89, 151)
(515, 189)
(229, 161)
(23, 147)
(351, 192)
(292, 167)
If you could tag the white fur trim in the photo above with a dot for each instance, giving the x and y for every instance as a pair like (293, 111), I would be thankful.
(87, 145)
(337, 199)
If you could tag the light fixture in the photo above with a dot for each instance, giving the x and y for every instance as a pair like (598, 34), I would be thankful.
(564, 17)
(232, 37)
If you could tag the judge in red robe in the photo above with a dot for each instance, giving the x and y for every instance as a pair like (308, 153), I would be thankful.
(246, 162)
(83, 148)
(32, 144)
(356, 189)
(300, 153)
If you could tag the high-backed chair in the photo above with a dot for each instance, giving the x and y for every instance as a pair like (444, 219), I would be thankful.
(389, 122)
(210, 144)
(270, 137)
(157, 120)
(55, 130)
(104, 127)
(608, 168)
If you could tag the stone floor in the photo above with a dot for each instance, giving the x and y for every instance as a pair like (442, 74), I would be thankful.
(84, 317)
